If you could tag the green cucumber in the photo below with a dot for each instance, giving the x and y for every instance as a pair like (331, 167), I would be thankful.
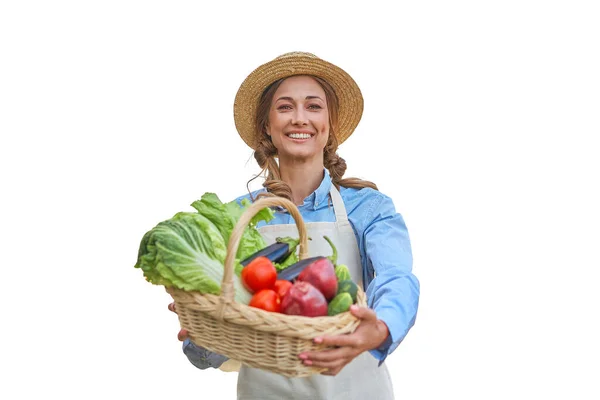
(348, 286)
(340, 303)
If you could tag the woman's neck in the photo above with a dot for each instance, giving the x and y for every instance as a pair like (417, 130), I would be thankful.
(302, 177)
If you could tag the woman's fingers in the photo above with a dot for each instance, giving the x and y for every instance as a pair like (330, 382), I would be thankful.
(334, 360)
(327, 356)
(331, 365)
(345, 347)
(182, 335)
(339, 340)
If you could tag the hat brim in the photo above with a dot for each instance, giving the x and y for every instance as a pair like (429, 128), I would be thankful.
(248, 96)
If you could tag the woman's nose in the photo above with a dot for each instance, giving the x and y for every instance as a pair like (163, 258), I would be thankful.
(299, 117)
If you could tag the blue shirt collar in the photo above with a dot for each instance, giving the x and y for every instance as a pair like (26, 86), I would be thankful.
(320, 195)
(316, 198)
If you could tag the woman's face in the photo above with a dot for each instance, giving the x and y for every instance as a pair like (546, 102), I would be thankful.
(299, 118)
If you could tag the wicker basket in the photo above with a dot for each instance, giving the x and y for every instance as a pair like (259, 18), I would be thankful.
(257, 338)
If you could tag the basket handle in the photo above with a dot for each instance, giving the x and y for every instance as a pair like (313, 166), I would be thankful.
(227, 289)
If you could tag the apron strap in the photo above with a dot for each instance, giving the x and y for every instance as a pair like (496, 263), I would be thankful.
(341, 217)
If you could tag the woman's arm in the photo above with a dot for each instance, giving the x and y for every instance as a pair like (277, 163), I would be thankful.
(201, 357)
(393, 290)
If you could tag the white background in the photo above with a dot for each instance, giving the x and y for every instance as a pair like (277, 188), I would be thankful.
(478, 122)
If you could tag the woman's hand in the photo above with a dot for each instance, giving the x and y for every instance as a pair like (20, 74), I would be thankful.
(182, 334)
(370, 334)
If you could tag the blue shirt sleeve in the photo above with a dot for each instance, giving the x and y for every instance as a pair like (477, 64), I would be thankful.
(394, 290)
(200, 357)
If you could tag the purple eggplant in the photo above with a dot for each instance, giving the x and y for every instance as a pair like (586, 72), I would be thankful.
(276, 252)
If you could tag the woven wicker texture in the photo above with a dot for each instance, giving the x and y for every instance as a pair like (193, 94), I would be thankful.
(257, 338)
(297, 63)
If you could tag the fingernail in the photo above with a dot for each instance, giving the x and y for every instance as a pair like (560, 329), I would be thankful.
(318, 340)
(354, 307)
(303, 356)
(307, 362)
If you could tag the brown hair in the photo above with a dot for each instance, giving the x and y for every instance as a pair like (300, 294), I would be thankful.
(266, 151)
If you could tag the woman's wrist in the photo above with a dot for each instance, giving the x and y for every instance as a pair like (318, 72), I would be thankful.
(383, 331)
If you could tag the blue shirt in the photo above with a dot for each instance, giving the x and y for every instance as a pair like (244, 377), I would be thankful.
(391, 287)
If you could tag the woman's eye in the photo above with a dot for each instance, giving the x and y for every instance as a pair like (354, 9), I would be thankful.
(284, 107)
(314, 107)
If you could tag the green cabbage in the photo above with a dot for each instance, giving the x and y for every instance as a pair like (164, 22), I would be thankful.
(188, 251)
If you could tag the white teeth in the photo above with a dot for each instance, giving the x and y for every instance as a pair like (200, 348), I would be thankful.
(299, 135)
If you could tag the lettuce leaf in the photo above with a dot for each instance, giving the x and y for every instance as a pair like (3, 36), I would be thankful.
(225, 217)
(188, 250)
(293, 257)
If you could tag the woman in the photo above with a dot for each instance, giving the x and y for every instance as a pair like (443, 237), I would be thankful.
(294, 112)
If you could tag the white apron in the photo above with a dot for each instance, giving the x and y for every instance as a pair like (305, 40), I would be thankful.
(362, 378)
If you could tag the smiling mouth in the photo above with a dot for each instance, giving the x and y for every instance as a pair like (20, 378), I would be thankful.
(294, 135)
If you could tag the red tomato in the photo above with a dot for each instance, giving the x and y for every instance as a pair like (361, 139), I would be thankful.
(282, 286)
(267, 300)
(259, 274)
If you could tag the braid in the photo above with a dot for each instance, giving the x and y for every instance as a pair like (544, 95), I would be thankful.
(336, 166)
(265, 157)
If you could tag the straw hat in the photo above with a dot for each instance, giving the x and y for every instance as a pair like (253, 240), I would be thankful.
(297, 63)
